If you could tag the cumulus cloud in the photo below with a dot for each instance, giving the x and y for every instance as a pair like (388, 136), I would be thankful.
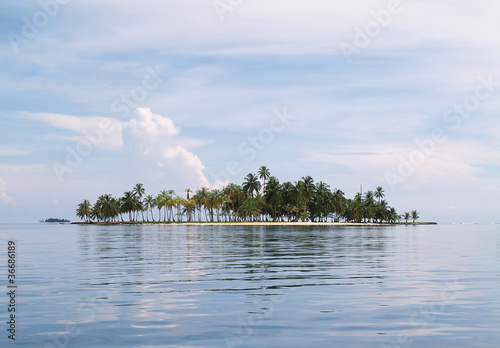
(150, 124)
(157, 137)
(188, 164)
(146, 134)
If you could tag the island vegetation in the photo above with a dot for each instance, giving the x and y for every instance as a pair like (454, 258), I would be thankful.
(261, 197)
(52, 220)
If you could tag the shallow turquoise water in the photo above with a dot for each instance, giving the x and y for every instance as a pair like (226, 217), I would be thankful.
(253, 286)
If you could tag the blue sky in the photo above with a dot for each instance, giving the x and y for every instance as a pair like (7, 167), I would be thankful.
(98, 97)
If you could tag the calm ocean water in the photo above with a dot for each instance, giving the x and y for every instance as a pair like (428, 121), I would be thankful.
(253, 286)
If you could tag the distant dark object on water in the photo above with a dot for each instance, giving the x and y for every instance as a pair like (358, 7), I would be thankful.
(55, 220)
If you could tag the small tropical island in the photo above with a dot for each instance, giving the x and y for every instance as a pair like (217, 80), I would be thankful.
(55, 220)
(261, 198)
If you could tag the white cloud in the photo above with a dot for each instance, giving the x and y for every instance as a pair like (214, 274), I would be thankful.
(157, 137)
(187, 165)
(150, 124)
(102, 132)
(146, 133)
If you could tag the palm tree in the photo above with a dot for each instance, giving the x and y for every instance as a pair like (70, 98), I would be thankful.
(200, 198)
(273, 195)
(251, 184)
(106, 208)
(264, 174)
(189, 207)
(130, 203)
(138, 192)
(306, 188)
(415, 216)
(166, 203)
(150, 204)
(339, 204)
(249, 209)
(302, 200)
(160, 204)
(379, 193)
(84, 210)
(178, 202)
(406, 217)
(393, 215)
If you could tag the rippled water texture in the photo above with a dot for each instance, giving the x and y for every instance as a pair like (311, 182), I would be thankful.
(254, 286)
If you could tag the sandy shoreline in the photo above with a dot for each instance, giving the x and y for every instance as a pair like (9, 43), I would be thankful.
(255, 223)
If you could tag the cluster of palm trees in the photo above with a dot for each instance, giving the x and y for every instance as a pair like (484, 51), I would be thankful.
(261, 197)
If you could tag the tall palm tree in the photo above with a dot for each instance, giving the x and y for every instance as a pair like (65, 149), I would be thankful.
(306, 189)
(150, 204)
(406, 217)
(393, 215)
(178, 202)
(303, 200)
(200, 198)
(273, 195)
(138, 192)
(415, 216)
(107, 208)
(167, 204)
(379, 193)
(264, 174)
(84, 210)
(189, 208)
(251, 184)
(160, 204)
(130, 203)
